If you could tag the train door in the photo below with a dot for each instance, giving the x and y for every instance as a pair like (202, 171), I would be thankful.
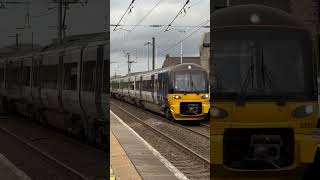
(99, 79)
(152, 84)
(160, 85)
(155, 89)
(26, 79)
(36, 80)
(50, 75)
(165, 87)
(140, 88)
(105, 80)
(71, 79)
(60, 79)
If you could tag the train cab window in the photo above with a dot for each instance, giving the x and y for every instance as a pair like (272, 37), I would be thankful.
(147, 85)
(70, 76)
(106, 72)
(89, 75)
(14, 72)
(36, 72)
(131, 85)
(49, 75)
(1, 73)
(138, 85)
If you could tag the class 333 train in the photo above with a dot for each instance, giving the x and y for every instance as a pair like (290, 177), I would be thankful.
(179, 92)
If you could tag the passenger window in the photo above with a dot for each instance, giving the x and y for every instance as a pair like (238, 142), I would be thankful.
(49, 75)
(26, 76)
(106, 72)
(1, 73)
(35, 74)
(70, 76)
(89, 73)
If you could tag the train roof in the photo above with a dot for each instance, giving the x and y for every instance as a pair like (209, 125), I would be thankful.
(253, 15)
(75, 41)
(170, 68)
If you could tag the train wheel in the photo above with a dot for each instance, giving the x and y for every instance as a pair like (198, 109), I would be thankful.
(89, 131)
(314, 169)
(42, 119)
(169, 115)
(102, 137)
(12, 107)
(5, 105)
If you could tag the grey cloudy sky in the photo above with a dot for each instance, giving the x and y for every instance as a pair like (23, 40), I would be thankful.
(134, 41)
(90, 18)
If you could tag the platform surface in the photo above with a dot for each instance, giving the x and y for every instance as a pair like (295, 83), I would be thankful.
(8, 171)
(145, 162)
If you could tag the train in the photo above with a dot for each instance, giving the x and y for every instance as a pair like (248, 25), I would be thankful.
(63, 85)
(263, 95)
(180, 92)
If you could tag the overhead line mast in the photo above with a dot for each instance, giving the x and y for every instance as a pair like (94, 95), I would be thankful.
(129, 8)
(183, 8)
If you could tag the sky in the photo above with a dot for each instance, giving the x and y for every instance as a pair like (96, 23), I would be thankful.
(123, 41)
(90, 18)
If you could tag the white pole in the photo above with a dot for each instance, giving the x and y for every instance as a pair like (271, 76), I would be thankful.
(181, 48)
(148, 56)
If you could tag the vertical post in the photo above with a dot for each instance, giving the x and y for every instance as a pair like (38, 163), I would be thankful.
(153, 53)
(129, 70)
(181, 49)
(32, 46)
(228, 3)
(17, 40)
(60, 21)
(148, 56)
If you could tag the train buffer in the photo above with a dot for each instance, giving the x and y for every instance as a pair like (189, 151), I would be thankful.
(9, 171)
(131, 157)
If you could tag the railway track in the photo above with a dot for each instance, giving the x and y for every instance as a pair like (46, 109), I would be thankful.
(192, 164)
(200, 129)
(45, 149)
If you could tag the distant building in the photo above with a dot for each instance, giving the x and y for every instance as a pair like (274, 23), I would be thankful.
(205, 51)
(172, 61)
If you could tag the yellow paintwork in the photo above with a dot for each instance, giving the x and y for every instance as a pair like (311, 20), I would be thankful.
(266, 115)
(175, 105)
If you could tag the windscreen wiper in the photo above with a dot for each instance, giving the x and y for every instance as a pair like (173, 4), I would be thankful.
(245, 84)
(267, 75)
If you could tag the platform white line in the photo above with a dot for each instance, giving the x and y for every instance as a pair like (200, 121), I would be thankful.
(13, 168)
(171, 167)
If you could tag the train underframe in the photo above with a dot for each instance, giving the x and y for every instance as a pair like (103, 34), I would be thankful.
(93, 130)
(171, 111)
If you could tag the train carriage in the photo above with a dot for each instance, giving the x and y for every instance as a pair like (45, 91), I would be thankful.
(63, 85)
(179, 92)
(264, 105)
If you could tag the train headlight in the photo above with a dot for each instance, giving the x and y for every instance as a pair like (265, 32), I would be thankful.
(303, 111)
(176, 97)
(218, 113)
(206, 96)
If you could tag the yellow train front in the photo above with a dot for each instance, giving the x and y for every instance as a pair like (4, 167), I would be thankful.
(187, 97)
(264, 105)
(179, 92)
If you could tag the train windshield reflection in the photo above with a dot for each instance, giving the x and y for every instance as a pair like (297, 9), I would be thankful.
(190, 82)
(270, 66)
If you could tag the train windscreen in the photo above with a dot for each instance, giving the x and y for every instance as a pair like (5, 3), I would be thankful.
(262, 64)
(190, 82)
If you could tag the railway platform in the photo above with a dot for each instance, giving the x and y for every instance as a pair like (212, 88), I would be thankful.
(131, 157)
(9, 171)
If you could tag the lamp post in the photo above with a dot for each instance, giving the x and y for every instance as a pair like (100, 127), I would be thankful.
(148, 44)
